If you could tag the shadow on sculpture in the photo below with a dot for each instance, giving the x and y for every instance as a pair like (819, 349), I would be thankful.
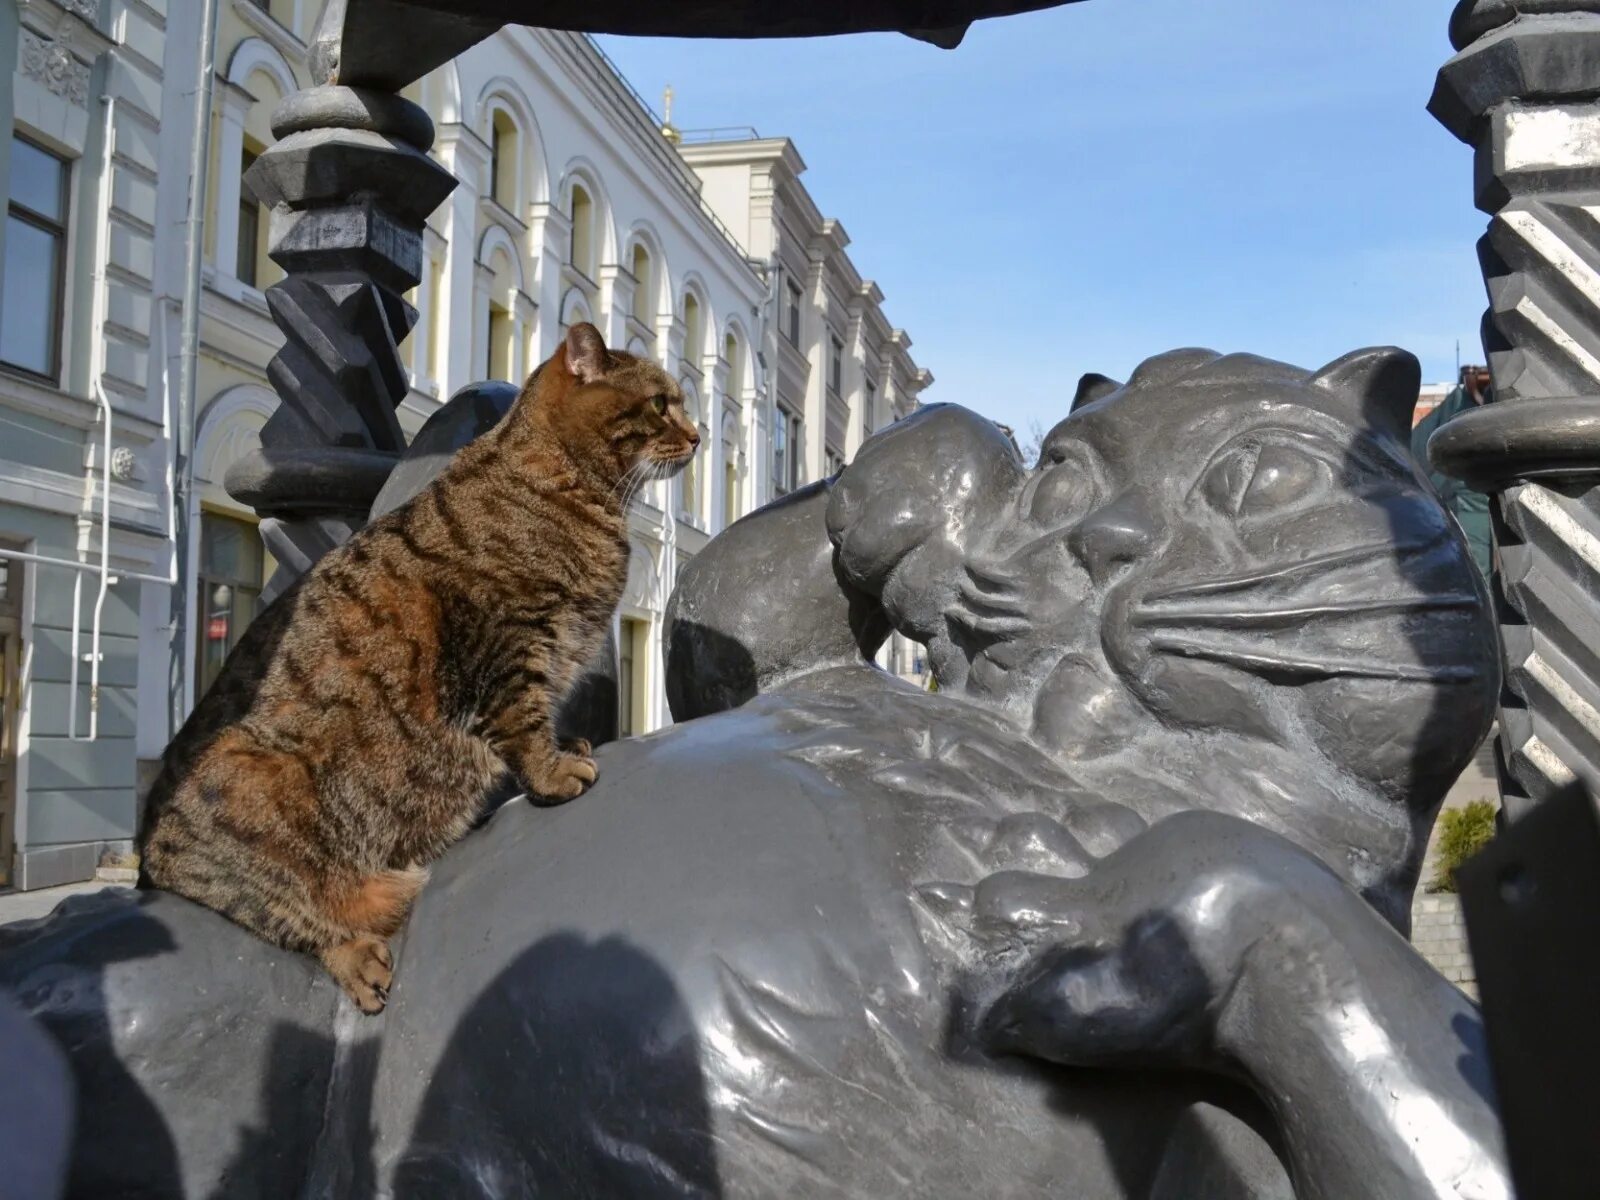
(203, 1093)
(70, 1000)
(36, 1108)
(555, 1031)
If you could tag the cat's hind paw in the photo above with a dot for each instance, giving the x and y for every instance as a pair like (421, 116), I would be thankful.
(364, 968)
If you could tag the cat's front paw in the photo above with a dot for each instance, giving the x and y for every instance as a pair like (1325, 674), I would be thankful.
(567, 777)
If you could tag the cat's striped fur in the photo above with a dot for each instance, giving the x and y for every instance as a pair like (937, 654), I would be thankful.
(356, 728)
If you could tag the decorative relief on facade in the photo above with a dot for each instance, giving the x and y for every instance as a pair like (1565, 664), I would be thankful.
(51, 64)
(89, 10)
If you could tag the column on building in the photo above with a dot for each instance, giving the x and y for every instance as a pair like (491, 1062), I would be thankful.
(550, 235)
(467, 158)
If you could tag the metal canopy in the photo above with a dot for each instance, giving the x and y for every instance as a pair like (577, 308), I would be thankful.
(388, 43)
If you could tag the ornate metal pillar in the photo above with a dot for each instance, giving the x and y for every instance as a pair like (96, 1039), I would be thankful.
(1522, 90)
(349, 185)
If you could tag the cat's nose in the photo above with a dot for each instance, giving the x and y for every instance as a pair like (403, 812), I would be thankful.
(1112, 537)
(694, 438)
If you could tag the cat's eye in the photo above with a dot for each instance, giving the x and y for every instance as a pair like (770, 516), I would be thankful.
(659, 403)
(1263, 477)
(1063, 489)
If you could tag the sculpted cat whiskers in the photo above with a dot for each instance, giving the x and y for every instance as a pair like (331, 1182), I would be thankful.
(356, 729)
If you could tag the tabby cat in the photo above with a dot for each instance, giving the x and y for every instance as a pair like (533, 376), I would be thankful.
(356, 729)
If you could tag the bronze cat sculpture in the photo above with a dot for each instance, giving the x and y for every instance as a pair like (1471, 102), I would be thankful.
(1112, 914)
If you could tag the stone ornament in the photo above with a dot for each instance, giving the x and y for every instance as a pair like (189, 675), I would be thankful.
(1116, 912)
(52, 65)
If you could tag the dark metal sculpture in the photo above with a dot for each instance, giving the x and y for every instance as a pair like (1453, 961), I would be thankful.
(1112, 914)
(349, 185)
(1521, 91)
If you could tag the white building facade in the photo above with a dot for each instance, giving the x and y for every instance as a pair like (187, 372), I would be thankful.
(572, 205)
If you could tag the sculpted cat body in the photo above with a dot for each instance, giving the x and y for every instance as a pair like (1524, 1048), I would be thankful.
(355, 730)
(860, 939)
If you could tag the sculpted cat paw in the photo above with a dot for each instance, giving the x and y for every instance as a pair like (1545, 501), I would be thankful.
(366, 714)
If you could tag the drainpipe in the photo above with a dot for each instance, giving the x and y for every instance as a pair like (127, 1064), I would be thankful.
(188, 352)
(97, 362)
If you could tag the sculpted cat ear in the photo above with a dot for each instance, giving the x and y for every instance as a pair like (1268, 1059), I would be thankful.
(1091, 388)
(1385, 378)
(585, 353)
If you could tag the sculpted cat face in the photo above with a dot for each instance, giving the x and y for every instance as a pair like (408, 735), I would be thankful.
(614, 409)
(1223, 544)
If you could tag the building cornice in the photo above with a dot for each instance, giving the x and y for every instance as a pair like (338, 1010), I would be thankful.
(767, 152)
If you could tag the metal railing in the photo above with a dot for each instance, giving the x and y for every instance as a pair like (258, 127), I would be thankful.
(720, 133)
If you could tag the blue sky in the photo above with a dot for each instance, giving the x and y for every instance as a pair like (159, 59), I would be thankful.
(1077, 189)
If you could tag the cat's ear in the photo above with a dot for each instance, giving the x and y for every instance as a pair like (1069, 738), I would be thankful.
(584, 353)
(1092, 387)
(1385, 379)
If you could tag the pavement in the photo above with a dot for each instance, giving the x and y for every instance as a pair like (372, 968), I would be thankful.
(25, 906)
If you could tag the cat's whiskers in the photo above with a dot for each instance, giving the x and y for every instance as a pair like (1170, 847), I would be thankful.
(626, 487)
(1262, 662)
(1307, 567)
(1299, 614)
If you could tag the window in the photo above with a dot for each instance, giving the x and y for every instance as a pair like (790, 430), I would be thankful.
(500, 341)
(793, 323)
(735, 361)
(693, 341)
(835, 364)
(631, 653)
(786, 453)
(503, 160)
(581, 252)
(435, 306)
(832, 464)
(691, 470)
(869, 409)
(35, 260)
(232, 570)
(730, 494)
(247, 252)
(644, 291)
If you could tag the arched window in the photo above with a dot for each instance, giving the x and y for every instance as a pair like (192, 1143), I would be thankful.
(734, 357)
(251, 264)
(693, 340)
(501, 323)
(504, 159)
(251, 249)
(574, 309)
(691, 473)
(581, 254)
(644, 287)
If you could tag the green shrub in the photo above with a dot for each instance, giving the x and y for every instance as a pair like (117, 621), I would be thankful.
(1462, 833)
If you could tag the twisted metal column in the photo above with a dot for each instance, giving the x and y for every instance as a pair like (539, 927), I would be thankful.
(349, 185)
(1522, 90)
